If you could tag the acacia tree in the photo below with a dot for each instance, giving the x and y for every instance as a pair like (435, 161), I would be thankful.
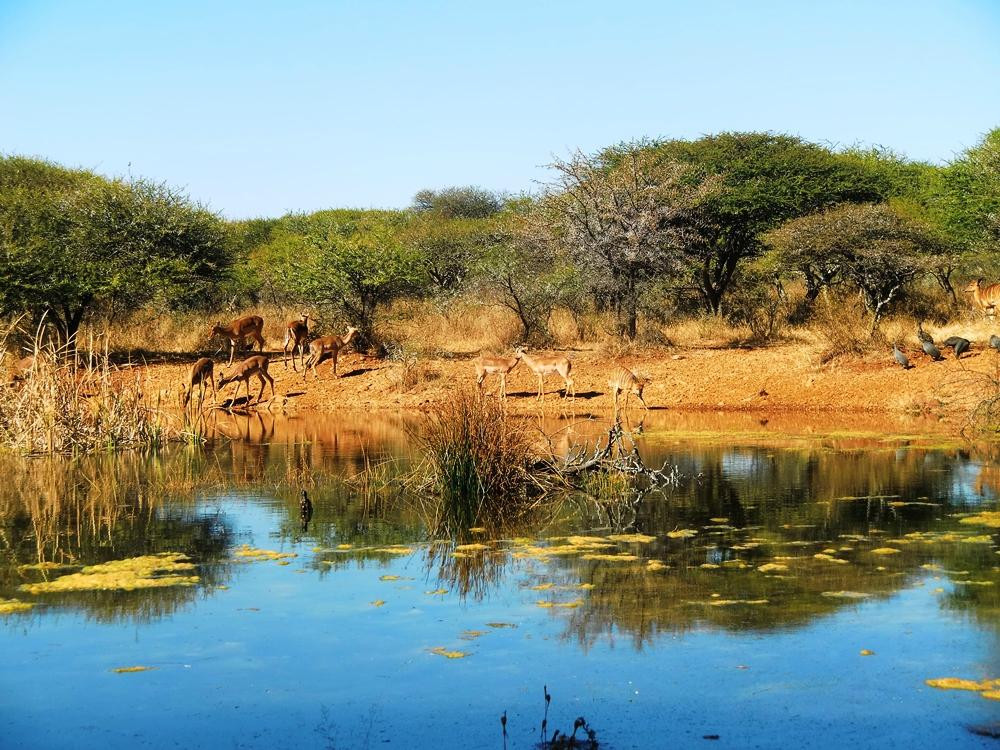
(353, 263)
(468, 202)
(103, 246)
(522, 270)
(625, 223)
(763, 180)
(448, 249)
(877, 247)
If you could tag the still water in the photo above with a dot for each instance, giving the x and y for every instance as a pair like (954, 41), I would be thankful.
(736, 609)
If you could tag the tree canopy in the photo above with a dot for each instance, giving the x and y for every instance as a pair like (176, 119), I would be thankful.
(72, 244)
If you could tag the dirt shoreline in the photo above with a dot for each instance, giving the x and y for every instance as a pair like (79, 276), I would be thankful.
(787, 378)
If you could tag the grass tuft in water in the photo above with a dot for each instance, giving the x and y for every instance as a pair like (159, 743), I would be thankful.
(478, 462)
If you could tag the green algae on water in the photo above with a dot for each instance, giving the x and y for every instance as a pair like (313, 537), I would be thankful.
(14, 606)
(144, 572)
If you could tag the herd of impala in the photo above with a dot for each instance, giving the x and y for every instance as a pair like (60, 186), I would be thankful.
(296, 341)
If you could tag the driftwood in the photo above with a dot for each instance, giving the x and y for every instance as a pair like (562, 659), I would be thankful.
(619, 454)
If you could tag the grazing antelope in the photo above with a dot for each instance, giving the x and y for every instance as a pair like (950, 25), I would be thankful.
(255, 365)
(986, 297)
(238, 330)
(296, 334)
(324, 344)
(486, 365)
(625, 381)
(543, 366)
(203, 376)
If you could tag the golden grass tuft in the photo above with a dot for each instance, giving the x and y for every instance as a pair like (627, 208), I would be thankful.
(73, 404)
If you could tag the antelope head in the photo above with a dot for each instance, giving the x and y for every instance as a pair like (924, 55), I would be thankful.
(973, 286)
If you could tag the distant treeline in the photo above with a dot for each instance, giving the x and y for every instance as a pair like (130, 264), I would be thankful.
(661, 228)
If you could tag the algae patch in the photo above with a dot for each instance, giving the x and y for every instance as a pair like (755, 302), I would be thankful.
(442, 651)
(144, 572)
(128, 670)
(13, 606)
(255, 553)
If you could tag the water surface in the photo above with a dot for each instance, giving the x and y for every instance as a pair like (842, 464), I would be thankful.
(718, 619)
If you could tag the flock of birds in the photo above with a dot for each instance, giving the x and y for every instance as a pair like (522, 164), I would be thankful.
(958, 344)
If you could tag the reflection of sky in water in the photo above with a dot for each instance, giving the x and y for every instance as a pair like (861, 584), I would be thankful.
(297, 656)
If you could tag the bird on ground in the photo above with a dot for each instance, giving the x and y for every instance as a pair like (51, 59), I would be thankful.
(995, 342)
(931, 350)
(959, 344)
(923, 335)
(900, 357)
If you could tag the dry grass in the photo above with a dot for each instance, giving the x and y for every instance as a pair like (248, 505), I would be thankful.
(66, 404)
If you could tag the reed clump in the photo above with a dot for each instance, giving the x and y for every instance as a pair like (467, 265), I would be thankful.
(61, 402)
(479, 462)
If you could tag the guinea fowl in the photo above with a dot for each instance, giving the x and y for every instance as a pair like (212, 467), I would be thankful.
(900, 357)
(995, 342)
(923, 335)
(959, 344)
(931, 350)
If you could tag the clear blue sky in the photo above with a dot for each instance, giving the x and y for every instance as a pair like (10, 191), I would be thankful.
(259, 108)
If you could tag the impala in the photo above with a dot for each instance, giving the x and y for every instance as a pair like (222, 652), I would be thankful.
(22, 368)
(296, 334)
(625, 381)
(332, 344)
(543, 366)
(248, 368)
(487, 365)
(238, 330)
(986, 297)
(203, 376)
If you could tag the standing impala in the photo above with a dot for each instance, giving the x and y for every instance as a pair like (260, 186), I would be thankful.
(202, 375)
(238, 330)
(249, 367)
(543, 366)
(333, 344)
(986, 297)
(487, 365)
(624, 380)
(296, 334)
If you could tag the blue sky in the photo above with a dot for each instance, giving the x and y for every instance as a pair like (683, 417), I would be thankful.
(261, 108)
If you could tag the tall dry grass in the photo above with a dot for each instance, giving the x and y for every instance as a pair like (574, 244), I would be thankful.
(72, 403)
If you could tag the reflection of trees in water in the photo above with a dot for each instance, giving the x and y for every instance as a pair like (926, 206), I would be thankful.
(792, 504)
(111, 507)
(99, 508)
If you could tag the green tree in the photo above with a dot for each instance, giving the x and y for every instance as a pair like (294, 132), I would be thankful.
(468, 202)
(91, 245)
(448, 248)
(524, 272)
(353, 263)
(764, 179)
(876, 246)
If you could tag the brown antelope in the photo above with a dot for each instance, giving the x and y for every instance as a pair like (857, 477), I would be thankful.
(986, 297)
(625, 381)
(486, 365)
(21, 369)
(203, 376)
(333, 344)
(296, 334)
(238, 330)
(543, 366)
(255, 365)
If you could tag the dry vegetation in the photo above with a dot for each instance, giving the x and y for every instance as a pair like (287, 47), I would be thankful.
(67, 404)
